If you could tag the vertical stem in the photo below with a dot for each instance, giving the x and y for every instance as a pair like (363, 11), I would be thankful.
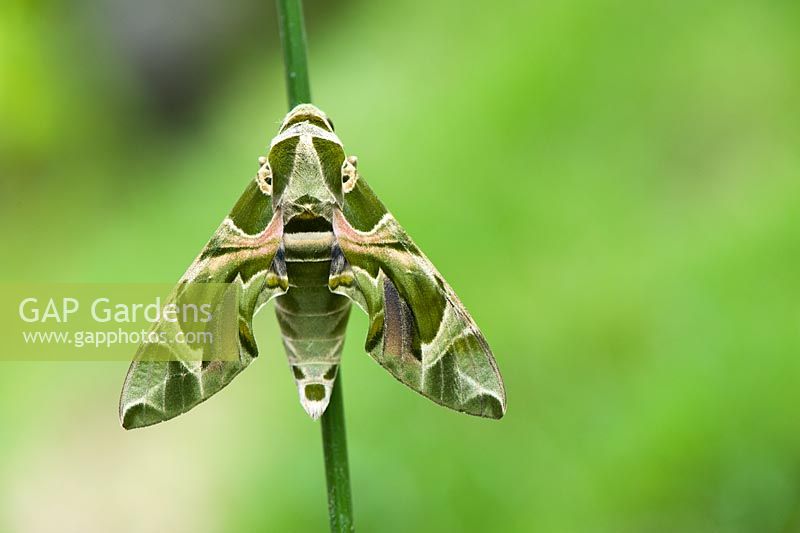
(334, 441)
(337, 472)
(293, 39)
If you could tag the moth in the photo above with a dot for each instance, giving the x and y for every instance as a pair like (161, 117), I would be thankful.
(309, 233)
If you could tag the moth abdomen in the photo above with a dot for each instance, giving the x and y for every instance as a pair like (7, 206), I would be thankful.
(312, 319)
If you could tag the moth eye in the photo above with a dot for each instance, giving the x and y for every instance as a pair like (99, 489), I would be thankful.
(349, 174)
(264, 179)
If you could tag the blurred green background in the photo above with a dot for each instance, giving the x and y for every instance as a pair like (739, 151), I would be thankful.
(622, 218)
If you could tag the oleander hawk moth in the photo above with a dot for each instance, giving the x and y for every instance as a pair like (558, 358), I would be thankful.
(309, 233)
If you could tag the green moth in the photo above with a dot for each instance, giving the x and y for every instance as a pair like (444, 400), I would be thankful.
(309, 233)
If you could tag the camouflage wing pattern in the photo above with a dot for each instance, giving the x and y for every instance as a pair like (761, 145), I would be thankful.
(419, 330)
(245, 253)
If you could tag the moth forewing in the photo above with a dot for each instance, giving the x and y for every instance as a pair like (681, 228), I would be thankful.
(166, 378)
(419, 330)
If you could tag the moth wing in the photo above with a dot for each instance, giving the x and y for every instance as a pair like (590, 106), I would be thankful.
(244, 262)
(419, 329)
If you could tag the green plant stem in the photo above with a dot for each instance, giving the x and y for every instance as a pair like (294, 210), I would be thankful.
(334, 441)
(337, 472)
(293, 39)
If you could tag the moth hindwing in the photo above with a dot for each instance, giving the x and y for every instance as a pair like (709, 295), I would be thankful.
(310, 233)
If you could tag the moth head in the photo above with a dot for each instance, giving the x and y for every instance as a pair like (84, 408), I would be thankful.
(307, 113)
